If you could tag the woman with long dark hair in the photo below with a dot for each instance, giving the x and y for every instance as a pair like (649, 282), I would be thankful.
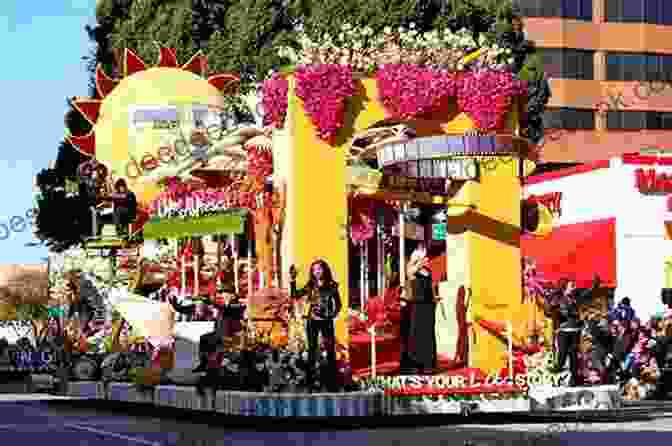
(323, 306)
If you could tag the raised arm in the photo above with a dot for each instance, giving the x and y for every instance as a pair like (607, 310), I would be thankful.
(295, 292)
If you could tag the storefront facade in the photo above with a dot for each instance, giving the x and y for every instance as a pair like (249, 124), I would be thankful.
(608, 220)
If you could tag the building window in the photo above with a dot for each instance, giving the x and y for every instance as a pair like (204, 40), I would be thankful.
(638, 67)
(569, 118)
(568, 63)
(655, 12)
(639, 120)
(568, 9)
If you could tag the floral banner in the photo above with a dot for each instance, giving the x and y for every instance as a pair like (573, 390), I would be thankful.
(173, 228)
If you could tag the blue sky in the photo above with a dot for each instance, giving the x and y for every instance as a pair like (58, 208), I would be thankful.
(42, 43)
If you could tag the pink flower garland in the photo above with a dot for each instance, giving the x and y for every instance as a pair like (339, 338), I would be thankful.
(410, 91)
(274, 100)
(323, 89)
(486, 96)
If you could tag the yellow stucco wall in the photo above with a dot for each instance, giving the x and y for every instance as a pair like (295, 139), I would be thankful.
(316, 217)
(495, 261)
(317, 207)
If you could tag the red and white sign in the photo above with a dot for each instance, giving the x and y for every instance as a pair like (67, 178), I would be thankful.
(649, 181)
(553, 201)
(609, 227)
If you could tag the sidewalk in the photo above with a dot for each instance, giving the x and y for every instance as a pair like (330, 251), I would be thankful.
(14, 387)
(14, 397)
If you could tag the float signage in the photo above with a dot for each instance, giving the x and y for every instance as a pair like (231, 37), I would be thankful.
(400, 183)
(33, 360)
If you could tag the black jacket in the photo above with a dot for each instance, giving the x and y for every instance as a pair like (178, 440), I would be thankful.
(569, 311)
(569, 316)
(329, 305)
(663, 352)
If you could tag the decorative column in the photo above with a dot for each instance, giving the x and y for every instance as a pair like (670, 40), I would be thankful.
(305, 161)
(483, 250)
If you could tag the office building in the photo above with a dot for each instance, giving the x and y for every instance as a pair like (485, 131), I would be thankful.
(609, 62)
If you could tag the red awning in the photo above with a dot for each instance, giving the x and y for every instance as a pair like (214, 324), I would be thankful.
(575, 251)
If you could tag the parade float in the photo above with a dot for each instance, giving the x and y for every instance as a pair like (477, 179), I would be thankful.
(362, 144)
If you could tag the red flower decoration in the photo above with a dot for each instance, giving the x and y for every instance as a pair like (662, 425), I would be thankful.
(274, 100)
(486, 96)
(324, 89)
(259, 163)
(410, 91)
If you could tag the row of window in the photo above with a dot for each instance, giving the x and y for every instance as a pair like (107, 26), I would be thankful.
(635, 120)
(578, 119)
(655, 12)
(638, 67)
(569, 9)
(566, 63)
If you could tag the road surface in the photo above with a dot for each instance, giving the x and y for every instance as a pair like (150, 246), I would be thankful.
(28, 421)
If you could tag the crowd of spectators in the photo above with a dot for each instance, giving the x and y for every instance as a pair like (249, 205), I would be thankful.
(624, 350)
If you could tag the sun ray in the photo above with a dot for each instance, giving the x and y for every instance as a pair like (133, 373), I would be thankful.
(132, 63)
(85, 144)
(89, 108)
(167, 57)
(198, 64)
(104, 83)
(227, 84)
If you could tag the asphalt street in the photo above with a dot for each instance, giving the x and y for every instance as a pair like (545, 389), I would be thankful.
(31, 420)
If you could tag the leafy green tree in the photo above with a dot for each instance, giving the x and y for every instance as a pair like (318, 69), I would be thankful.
(246, 42)
(148, 21)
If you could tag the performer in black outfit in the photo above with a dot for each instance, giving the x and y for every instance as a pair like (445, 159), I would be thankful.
(422, 307)
(324, 305)
(125, 207)
(569, 332)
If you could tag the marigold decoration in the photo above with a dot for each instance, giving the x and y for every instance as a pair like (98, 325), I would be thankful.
(279, 340)
(411, 91)
(486, 96)
(498, 329)
(324, 89)
(274, 100)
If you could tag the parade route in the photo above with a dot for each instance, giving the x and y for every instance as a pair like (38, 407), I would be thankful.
(40, 419)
